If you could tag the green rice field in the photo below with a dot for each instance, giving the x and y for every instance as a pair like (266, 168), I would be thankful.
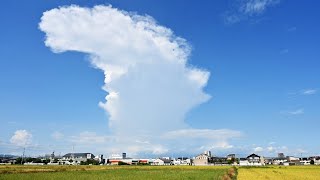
(114, 172)
(160, 172)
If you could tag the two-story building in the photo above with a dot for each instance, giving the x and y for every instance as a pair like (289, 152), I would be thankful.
(202, 159)
(252, 160)
(76, 158)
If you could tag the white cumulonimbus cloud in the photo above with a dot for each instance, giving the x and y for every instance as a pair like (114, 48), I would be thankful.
(149, 82)
(21, 138)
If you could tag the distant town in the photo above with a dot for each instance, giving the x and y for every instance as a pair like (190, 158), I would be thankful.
(203, 159)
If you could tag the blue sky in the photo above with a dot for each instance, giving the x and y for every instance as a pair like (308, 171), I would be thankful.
(263, 59)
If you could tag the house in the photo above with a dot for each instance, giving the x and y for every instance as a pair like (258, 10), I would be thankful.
(202, 159)
(157, 162)
(316, 160)
(305, 161)
(182, 161)
(292, 158)
(290, 163)
(279, 161)
(252, 160)
(231, 156)
(243, 162)
(162, 162)
(100, 159)
(6, 159)
(268, 160)
(218, 160)
(207, 159)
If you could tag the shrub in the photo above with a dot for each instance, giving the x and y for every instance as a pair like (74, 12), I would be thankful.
(312, 162)
(122, 163)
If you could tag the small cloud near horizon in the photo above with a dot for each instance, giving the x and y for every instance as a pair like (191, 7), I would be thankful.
(21, 138)
(258, 149)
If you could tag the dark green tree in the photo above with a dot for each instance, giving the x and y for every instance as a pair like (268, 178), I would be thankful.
(312, 162)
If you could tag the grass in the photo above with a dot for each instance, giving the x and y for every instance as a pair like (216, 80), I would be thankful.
(279, 172)
(117, 172)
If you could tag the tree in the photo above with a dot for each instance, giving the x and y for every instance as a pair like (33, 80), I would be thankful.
(29, 159)
(18, 160)
(231, 161)
(89, 161)
(93, 162)
(46, 161)
(37, 160)
(122, 163)
(312, 162)
(237, 160)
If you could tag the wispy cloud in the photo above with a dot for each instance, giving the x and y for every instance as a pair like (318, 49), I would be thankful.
(12, 122)
(296, 112)
(284, 51)
(90, 138)
(232, 18)
(57, 135)
(309, 91)
(246, 9)
(304, 92)
(204, 133)
(255, 7)
(291, 29)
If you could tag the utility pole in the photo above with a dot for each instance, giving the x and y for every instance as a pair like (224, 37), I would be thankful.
(24, 149)
(72, 155)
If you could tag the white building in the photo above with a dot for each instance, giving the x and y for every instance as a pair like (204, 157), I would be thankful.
(252, 160)
(75, 158)
(202, 159)
(162, 162)
(182, 161)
